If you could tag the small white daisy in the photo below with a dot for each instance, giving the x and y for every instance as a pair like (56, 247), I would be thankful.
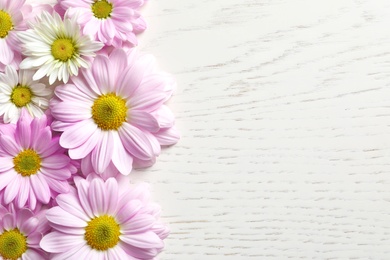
(19, 91)
(56, 47)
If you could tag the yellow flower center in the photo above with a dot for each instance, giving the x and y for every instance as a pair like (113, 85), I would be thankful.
(63, 49)
(109, 111)
(21, 96)
(102, 233)
(27, 162)
(5, 24)
(12, 244)
(102, 9)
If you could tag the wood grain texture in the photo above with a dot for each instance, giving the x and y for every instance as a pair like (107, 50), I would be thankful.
(284, 109)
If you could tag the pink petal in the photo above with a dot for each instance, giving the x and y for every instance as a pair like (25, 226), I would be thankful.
(6, 164)
(31, 254)
(97, 255)
(56, 242)
(70, 111)
(82, 189)
(71, 204)
(23, 216)
(102, 154)
(164, 116)
(73, 137)
(61, 217)
(118, 253)
(40, 144)
(143, 240)
(50, 148)
(148, 101)
(67, 230)
(12, 189)
(22, 197)
(153, 141)
(86, 82)
(140, 164)
(121, 158)
(29, 226)
(138, 224)
(130, 80)
(139, 253)
(58, 185)
(122, 27)
(72, 93)
(34, 239)
(40, 187)
(140, 25)
(123, 12)
(91, 28)
(97, 197)
(161, 230)
(169, 136)
(118, 60)
(9, 221)
(6, 54)
(23, 131)
(111, 188)
(71, 3)
(109, 29)
(37, 126)
(32, 200)
(101, 72)
(111, 171)
(57, 174)
(86, 165)
(83, 150)
(9, 145)
(143, 120)
(56, 161)
(136, 142)
(128, 210)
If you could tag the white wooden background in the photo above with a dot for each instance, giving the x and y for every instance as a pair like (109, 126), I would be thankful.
(284, 110)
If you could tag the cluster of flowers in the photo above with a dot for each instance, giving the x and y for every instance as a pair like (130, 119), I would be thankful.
(80, 107)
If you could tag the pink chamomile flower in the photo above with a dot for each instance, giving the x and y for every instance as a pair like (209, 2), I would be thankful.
(21, 231)
(12, 22)
(14, 16)
(33, 166)
(114, 114)
(104, 221)
(112, 22)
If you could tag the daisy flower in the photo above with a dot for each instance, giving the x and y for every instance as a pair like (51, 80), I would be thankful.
(104, 221)
(110, 21)
(20, 233)
(33, 166)
(11, 18)
(56, 48)
(19, 90)
(118, 104)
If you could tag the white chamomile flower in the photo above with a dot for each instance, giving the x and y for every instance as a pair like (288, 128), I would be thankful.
(56, 47)
(18, 91)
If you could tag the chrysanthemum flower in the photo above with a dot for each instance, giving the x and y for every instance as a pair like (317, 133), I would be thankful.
(19, 90)
(56, 47)
(119, 107)
(11, 18)
(33, 166)
(110, 21)
(21, 231)
(103, 221)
